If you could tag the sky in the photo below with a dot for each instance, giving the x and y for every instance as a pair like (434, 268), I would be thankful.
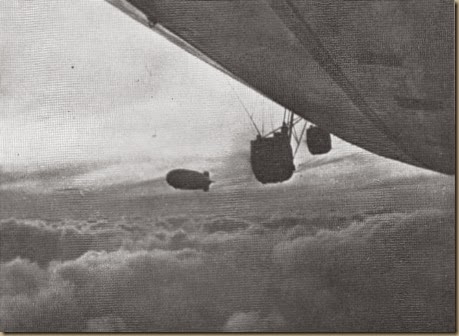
(86, 90)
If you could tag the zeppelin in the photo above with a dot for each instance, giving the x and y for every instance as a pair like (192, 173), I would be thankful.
(185, 179)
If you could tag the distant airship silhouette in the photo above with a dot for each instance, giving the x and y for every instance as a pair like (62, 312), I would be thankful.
(185, 179)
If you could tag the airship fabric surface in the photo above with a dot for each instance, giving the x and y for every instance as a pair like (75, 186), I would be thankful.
(378, 74)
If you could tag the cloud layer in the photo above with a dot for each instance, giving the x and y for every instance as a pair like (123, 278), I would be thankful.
(373, 272)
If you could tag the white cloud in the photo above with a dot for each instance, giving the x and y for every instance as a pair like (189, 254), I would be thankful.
(382, 272)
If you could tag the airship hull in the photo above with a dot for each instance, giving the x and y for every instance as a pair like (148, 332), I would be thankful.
(377, 74)
(185, 179)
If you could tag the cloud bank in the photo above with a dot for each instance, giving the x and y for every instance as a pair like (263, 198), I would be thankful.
(374, 272)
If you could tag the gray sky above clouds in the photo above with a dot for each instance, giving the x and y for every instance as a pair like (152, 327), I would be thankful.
(82, 83)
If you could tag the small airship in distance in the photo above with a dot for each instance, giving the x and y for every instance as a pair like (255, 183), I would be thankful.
(188, 179)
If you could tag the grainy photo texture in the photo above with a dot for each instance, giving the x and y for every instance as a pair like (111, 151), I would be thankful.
(227, 165)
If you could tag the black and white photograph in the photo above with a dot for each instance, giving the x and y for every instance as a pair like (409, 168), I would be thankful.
(227, 166)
